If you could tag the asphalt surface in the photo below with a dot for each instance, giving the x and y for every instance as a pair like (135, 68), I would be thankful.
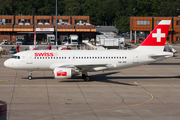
(147, 92)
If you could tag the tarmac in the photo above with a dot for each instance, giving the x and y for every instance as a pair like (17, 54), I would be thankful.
(147, 92)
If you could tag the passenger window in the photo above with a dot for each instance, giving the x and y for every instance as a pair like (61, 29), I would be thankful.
(48, 57)
(119, 57)
(73, 57)
(82, 57)
(56, 57)
(111, 57)
(76, 57)
(122, 57)
(69, 57)
(125, 57)
(92, 57)
(45, 57)
(62, 57)
(65, 57)
(37, 57)
(34, 57)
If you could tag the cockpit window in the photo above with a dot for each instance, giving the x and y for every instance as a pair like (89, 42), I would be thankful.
(15, 57)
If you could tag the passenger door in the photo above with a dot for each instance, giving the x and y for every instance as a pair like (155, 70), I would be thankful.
(29, 58)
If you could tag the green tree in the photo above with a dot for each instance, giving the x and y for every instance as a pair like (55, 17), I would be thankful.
(147, 7)
(93, 9)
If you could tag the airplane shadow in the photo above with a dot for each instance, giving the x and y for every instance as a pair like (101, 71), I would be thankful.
(38, 78)
(99, 78)
(107, 79)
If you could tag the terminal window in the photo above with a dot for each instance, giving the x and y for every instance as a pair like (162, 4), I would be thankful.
(23, 20)
(8, 20)
(177, 38)
(177, 22)
(143, 22)
(157, 22)
(43, 20)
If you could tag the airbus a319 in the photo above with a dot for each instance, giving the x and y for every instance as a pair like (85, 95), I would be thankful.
(68, 63)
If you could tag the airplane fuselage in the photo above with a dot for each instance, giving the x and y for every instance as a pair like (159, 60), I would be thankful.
(106, 59)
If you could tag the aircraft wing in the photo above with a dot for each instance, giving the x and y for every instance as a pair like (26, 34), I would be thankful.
(78, 66)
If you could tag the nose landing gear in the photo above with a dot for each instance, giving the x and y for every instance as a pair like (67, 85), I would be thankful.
(30, 75)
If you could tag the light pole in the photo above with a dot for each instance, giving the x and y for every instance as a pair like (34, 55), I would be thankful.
(56, 22)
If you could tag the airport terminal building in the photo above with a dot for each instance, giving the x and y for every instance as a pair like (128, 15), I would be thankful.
(147, 24)
(12, 26)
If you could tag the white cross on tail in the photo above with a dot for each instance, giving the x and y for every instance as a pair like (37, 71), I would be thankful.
(158, 35)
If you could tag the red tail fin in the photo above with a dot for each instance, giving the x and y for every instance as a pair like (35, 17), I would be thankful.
(158, 36)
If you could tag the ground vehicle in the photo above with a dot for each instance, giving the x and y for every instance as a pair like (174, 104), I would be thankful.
(4, 42)
(138, 41)
(109, 41)
(64, 39)
(50, 39)
(12, 50)
(20, 39)
(74, 39)
(19, 42)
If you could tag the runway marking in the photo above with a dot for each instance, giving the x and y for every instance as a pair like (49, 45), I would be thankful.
(3, 80)
(107, 108)
(165, 100)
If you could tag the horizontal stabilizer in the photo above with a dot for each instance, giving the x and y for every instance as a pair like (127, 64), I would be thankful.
(161, 55)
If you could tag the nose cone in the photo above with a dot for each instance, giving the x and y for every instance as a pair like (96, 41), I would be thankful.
(6, 63)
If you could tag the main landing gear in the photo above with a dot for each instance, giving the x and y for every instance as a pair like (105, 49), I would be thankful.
(30, 75)
(85, 76)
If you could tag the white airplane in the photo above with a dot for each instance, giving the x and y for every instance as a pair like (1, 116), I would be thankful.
(68, 63)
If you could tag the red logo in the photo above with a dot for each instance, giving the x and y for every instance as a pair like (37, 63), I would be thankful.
(45, 54)
(59, 73)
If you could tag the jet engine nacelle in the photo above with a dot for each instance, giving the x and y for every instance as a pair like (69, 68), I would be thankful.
(62, 73)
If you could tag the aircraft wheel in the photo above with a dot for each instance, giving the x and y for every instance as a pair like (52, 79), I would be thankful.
(83, 76)
(86, 78)
(30, 77)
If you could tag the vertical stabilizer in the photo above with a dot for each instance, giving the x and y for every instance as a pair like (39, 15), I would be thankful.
(157, 38)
